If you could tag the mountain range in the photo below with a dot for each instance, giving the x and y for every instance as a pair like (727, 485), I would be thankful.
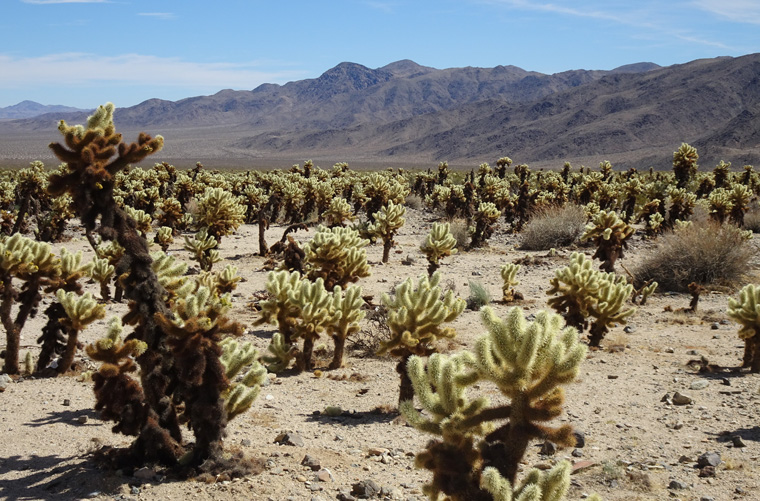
(404, 113)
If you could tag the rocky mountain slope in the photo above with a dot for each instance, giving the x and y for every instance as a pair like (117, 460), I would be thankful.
(635, 115)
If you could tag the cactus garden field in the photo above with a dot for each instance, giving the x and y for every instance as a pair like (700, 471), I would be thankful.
(318, 332)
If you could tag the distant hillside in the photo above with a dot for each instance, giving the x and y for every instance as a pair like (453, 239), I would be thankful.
(634, 115)
(29, 109)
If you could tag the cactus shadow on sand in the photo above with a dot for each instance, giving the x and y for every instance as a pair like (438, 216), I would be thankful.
(55, 477)
(67, 417)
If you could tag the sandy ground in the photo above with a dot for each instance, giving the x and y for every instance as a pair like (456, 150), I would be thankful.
(637, 446)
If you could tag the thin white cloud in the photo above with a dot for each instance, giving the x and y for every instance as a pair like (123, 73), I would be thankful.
(638, 16)
(80, 69)
(386, 7)
(46, 2)
(740, 11)
(158, 15)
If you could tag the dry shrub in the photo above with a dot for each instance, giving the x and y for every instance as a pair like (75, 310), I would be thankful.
(708, 254)
(461, 233)
(553, 227)
(752, 220)
(414, 202)
(364, 344)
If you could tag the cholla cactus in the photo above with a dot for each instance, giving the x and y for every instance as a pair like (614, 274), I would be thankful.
(280, 353)
(415, 318)
(580, 292)
(337, 256)
(485, 218)
(508, 274)
(239, 395)
(746, 311)
(219, 212)
(170, 273)
(740, 197)
(681, 205)
(685, 164)
(164, 237)
(345, 315)
(119, 396)
(720, 204)
(610, 234)
(529, 363)
(338, 212)
(81, 311)
(388, 220)
(141, 218)
(203, 246)
(102, 272)
(170, 214)
(438, 244)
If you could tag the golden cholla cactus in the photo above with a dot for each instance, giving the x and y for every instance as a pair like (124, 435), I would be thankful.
(579, 292)
(438, 244)
(345, 315)
(170, 213)
(102, 272)
(313, 302)
(740, 197)
(529, 363)
(746, 311)
(685, 164)
(164, 237)
(219, 212)
(141, 218)
(509, 281)
(610, 234)
(485, 217)
(80, 312)
(337, 256)
(416, 314)
(388, 220)
(240, 394)
(720, 204)
(203, 246)
(338, 212)
(170, 272)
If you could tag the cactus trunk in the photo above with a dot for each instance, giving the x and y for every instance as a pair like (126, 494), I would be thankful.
(340, 347)
(12, 335)
(387, 244)
(406, 389)
(67, 359)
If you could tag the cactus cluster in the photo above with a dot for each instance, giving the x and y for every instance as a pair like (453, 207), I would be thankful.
(581, 293)
(477, 447)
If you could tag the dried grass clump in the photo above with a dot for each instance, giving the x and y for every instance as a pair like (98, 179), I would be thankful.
(752, 220)
(708, 254)
(553, 227)
(461, 232)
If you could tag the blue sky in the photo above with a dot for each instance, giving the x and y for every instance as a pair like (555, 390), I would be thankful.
(86, 52)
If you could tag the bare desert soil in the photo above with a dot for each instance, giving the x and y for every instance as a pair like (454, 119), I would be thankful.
(637, 447)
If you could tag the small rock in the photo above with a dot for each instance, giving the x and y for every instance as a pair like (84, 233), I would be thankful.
(365, 489)
(311, 462)
(5, 380)
(344, 496)
(324, 475)
(714, 326)
(682, 399)
(582, 465)
(580, 439)
(245, 442)
(377, 451)
(677, 485)
(669, 350)
(577, 453)
(725, 381)
(548, 448)
(134, 490)
(629, 329)
(66, 402)
(144, 473)
(293, 439)
(707, 471)
(612, 376)
(737, 441)
(699, 384)
(301, 478)
(708, 459)
(693, 353)
(82, 419)
(707, 498)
